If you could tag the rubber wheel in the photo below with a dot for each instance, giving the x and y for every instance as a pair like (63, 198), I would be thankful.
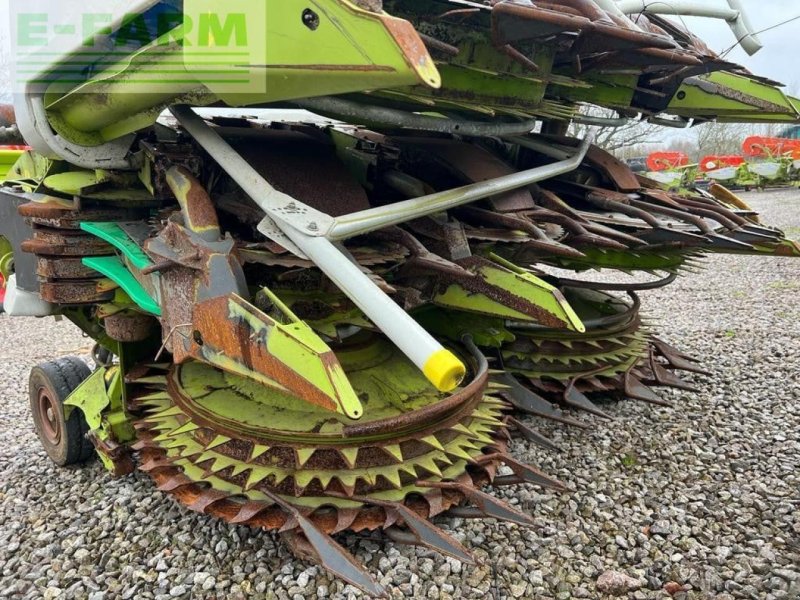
(50, 383)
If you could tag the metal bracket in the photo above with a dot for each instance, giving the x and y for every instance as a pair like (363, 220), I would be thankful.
(34, 125)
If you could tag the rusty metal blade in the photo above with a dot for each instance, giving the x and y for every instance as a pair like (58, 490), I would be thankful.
(664, 376)
(533, 436)
(338, 561)
(421, 532)
(533, 475)
(465, 512)
(556, 248)
(329, 554)
(590, 239)
(249, 511)
(154, 464)
(526, 473)
(575, 399)
(530, 402)
(724, 242)
(578, 233)
(602, 230)
(764, 232)
(205, 499)
(174, 482)
(497, 509)
(481, 218)
(425, 533)
(486, 503)
(638, 391)
(676, 359)
(665, 235)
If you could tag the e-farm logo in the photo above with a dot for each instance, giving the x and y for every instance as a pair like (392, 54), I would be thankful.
(230, 30)
(139, 47)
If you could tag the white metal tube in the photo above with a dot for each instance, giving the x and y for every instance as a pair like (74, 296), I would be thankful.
(743, 29)
(442, 368)
(275, 203)
(412, 340)
(734, 14)
(688, 8)
(354, 224)
(611, 7)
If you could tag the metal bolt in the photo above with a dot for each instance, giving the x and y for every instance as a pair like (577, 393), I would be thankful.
(310, 19)
(312, 226)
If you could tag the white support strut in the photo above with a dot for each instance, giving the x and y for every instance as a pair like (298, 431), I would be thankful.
(733, 14)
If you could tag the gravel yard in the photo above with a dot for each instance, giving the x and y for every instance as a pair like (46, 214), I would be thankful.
(701, 500)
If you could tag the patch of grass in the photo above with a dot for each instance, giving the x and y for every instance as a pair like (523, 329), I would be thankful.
(784, 285)
(729, 333)
(629, 460)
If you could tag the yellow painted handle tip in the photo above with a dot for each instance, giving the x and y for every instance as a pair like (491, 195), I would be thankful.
(444, 370)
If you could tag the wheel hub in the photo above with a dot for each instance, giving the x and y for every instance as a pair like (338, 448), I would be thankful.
(50, 419)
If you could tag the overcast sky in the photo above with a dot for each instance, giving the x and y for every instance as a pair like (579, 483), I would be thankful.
(778, 60)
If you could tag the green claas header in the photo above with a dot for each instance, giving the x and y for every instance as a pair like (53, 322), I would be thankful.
(324, 247)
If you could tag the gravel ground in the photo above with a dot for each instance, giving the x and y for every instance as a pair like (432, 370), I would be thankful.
(701, 500)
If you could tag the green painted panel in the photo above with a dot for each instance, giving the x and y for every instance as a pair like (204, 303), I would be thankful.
(113, 268)
(8, 158)
(116, 236)
(736, 96)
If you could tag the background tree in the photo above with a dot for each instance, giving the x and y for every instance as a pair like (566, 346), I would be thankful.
(638, 139)
(727, 138)
(623, 140)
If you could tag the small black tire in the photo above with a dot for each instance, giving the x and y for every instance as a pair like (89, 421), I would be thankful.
(50, 383)
(76, 371)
